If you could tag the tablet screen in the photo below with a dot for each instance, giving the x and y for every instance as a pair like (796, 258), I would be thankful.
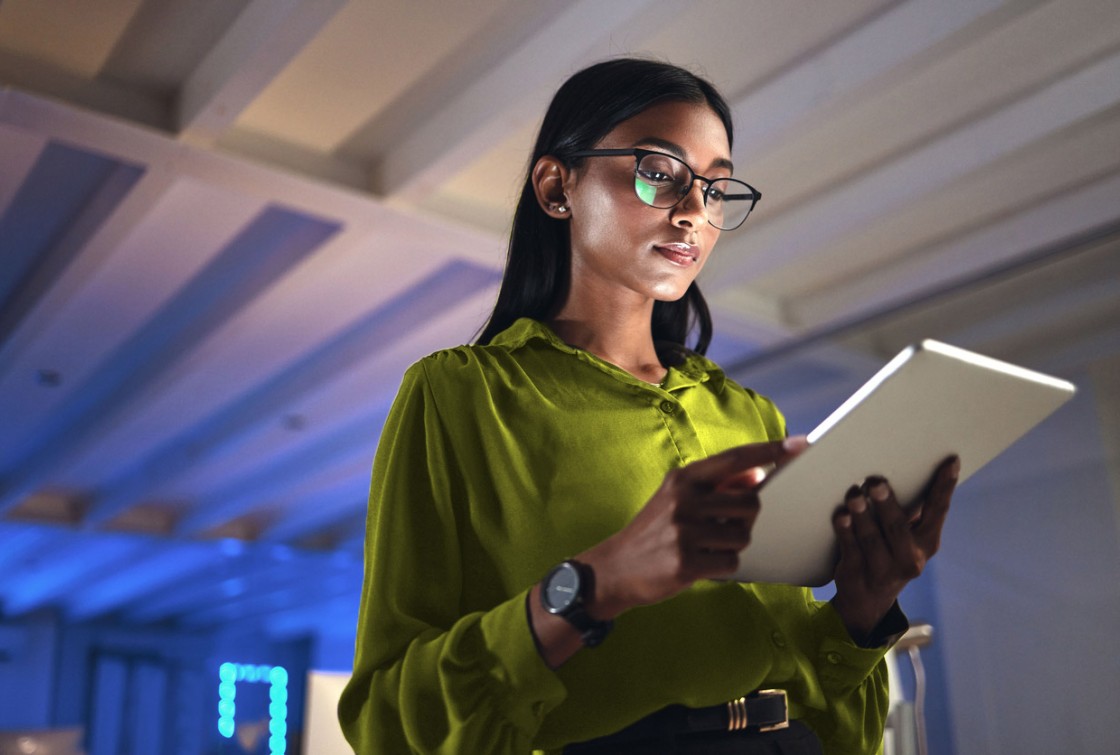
(928, 403)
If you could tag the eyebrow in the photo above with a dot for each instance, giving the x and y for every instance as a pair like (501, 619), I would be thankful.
(676, 150)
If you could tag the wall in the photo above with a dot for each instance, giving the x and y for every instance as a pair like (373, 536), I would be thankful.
(1028, 593)
(141, 690)
(27, 666)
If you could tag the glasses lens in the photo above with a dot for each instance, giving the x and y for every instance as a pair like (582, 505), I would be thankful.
(661, 180)
(729, 202)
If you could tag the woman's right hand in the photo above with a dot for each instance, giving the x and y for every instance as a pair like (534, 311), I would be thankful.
(693, 527)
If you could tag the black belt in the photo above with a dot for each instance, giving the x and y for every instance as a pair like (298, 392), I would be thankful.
(764, 710)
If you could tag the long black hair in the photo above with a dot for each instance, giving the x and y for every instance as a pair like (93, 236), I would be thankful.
(584, 110)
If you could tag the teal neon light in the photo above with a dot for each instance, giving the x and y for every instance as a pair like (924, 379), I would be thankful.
(229, 674)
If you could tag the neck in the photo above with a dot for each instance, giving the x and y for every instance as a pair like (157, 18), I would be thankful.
(613, 331)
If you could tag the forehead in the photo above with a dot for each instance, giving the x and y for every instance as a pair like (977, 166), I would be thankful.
(694, 127)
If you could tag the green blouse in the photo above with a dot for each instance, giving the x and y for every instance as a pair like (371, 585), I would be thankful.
(499, 461)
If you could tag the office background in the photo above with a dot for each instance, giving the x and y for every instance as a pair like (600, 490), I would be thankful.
(227, 226)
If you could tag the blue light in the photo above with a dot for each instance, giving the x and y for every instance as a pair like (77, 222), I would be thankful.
(232, 547)
(277, 677)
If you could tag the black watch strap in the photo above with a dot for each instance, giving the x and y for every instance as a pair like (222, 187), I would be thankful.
(591, 632)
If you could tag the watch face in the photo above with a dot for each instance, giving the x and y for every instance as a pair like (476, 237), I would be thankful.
(562, 587)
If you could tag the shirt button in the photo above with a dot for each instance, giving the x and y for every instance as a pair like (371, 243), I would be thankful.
(834, 658)
(778, 639)
(668, 406)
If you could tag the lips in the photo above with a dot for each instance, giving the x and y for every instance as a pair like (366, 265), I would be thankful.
(679, 252)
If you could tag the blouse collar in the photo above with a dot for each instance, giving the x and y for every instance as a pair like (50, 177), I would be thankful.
(695, 368)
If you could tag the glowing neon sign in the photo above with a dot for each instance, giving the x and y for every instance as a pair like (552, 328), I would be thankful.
(229, 674)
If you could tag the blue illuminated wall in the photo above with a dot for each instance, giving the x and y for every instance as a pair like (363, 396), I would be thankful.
(151, 691)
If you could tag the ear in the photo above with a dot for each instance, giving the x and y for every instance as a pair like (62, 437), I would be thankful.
(550, 180)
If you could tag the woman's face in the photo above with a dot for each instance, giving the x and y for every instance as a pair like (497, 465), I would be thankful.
(620, 243)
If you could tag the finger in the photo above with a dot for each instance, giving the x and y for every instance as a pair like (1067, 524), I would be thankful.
(936, 507)
(733, 535)
(751, 478)
(851, 558)
(709, 564)
(895, 528)
(722, 504)
(714, 469)
(869, 538)
(795, 445)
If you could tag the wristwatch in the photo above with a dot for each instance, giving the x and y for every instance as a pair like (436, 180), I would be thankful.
(566, 591)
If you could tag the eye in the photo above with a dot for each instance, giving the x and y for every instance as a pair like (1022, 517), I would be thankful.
(655, 177)
(658, 170)
(715, 194)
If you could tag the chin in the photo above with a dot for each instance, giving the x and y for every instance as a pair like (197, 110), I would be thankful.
(674, 292)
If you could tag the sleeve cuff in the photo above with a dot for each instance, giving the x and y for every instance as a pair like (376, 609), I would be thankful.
(888, 631)
(843, 664)
(533, 688)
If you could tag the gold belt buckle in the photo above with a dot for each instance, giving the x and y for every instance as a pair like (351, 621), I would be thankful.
(737, 712)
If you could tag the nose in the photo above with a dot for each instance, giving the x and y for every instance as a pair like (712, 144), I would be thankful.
(691, 211)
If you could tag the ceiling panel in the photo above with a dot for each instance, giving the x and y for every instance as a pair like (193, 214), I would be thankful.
(364, 59)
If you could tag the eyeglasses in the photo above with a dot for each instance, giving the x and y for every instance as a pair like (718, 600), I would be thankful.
(662, 181)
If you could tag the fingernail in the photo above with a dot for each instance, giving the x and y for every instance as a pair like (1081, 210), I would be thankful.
(858, 504)
(955, 468)
(879, 491)
(795, 443)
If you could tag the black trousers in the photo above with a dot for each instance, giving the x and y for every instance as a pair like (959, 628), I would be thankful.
(798, 739)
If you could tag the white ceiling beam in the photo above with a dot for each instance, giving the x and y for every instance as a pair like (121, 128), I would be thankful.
(19, 151)
(157, 570)
(1035, 227)
(307, 162)
(31, 75)
(876, 49)
(803, 234)
(513, 92)
(1047, 311)
(264, 39)
(56, 120)
(86, 560)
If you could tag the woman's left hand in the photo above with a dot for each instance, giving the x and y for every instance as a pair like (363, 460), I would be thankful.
(882, 548)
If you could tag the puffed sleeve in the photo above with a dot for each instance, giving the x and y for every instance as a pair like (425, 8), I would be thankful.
(426, 678)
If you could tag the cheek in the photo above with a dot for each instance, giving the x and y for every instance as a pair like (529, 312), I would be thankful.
(602, 218)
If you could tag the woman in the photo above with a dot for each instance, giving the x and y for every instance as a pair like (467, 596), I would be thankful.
(552, 507)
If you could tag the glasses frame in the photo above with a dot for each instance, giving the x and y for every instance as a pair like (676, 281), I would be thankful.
(638, 153)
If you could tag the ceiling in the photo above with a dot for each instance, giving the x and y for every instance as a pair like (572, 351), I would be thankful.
(227, 226)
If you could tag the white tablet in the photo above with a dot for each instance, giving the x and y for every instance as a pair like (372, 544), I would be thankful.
(929, 402)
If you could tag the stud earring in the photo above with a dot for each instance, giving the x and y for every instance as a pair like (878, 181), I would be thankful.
(561, 208)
